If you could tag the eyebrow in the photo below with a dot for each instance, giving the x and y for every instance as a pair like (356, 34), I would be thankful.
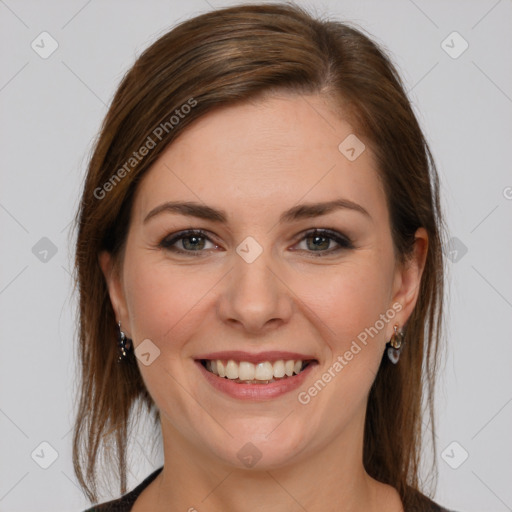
(299, 212)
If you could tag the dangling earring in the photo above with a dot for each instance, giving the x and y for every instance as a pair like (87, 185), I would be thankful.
(395, 345)
(123, 343)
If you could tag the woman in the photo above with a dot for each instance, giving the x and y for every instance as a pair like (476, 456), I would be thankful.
(259, 261)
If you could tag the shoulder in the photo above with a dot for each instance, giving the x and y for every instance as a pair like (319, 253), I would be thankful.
(125, 502)
(431, 506)
(434, 507)
(419, 502)
(438, 508)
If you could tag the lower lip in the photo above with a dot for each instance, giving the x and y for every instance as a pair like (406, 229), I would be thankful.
(256, 391)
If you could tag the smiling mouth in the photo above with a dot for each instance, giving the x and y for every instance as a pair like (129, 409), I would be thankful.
(266, 372)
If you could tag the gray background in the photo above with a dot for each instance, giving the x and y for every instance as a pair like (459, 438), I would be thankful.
(51, 110)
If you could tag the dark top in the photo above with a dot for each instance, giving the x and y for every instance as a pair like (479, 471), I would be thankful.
(125, 503)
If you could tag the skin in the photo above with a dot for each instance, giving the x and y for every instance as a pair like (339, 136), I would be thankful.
(255, 160)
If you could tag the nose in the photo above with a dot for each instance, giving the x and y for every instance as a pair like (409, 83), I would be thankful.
(256, 297)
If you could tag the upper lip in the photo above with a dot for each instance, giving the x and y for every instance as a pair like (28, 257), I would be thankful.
(260, 357)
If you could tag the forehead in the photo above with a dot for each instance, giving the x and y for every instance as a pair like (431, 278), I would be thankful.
(277, 150)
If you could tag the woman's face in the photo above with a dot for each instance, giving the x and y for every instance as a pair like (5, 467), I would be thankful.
(258, 288)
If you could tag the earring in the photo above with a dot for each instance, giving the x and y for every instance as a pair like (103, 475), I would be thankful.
(395, 345)
(123, 343)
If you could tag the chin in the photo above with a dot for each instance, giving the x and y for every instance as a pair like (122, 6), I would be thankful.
(263, 448)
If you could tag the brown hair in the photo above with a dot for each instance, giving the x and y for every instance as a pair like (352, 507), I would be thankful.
(219, 58)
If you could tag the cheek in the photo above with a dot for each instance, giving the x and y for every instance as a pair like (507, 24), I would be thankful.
(348, 299)
(345, 299)
(163, 305)
(151, 303)
(350, 324)
(164, 300)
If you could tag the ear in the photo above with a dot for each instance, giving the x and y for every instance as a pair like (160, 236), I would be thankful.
(407, 281)
(115, 288)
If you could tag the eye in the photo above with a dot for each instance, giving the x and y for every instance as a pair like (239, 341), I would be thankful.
(319, 240)
(192, 240)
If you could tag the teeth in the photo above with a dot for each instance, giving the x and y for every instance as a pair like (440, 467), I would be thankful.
(263, 372)
(279, 369)
(232, 370)
(246, 371)
(288, 368)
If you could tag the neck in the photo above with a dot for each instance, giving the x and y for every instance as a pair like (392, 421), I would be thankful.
(332, 479)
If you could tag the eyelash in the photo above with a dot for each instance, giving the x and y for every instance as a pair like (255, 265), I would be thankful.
(343, 241)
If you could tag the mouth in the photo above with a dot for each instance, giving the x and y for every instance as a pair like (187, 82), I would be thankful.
(256, 377)
(263, 372)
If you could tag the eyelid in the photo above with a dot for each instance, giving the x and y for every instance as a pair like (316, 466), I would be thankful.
(343, 241)
(168, 241)
(327, 232)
